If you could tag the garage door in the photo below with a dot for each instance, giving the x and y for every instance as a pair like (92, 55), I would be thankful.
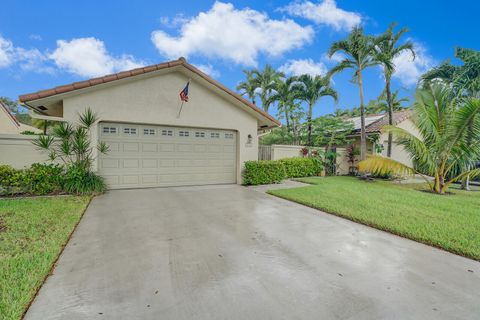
(150, 156)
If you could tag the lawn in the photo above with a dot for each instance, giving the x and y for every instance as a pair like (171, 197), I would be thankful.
(450, 222)
(33, 232)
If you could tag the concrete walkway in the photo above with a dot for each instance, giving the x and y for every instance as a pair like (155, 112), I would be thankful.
(229, 252)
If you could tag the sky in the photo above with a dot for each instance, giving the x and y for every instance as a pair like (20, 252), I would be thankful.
(49, 43)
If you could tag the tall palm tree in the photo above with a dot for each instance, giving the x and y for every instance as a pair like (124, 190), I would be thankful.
(311, 89)
(285, 95)
(248, 86)
(359, 55)
(395, 102)
(266, 80)
(443, 149)
(386, 50)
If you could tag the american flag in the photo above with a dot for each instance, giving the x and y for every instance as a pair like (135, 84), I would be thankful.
(184, 93)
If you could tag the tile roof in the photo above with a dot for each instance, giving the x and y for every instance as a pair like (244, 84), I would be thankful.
(131, 73)
(375, 123)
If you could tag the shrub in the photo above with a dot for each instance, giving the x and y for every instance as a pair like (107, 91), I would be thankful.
(41, 179)
(301, 167)
(10, 180)
(263, 172)
(79, 180)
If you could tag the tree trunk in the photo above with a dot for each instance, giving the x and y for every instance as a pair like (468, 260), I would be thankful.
(466, 184)
(44, 127)
(309, 121)
(286, 119)
(390, 112)
(363, 135)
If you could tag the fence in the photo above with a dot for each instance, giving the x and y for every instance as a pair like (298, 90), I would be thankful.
(278, 151)
(18, 151)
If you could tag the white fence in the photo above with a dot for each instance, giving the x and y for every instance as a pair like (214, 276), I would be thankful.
(18, 151)
(278, 151)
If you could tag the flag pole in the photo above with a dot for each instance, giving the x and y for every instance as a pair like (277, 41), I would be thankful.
(181, 106)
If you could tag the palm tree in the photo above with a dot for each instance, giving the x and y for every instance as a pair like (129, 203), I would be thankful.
(359, 52)
(311, 89)
(285, 95)
(248, 86)
(443, 150)
(395, 102)
(386, 50)
(266, 80)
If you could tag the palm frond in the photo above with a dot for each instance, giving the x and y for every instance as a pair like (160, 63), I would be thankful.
(381, 165)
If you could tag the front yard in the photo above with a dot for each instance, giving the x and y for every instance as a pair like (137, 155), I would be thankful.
(33, 232)
(451, 222)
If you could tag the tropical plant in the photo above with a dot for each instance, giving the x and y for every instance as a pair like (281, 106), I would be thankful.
(464, 80)
(358, 50)
(396, 103)
(266, 80)
(277, 136)
(310, 89)
(331, 131)
(248, 86)
(71, 144)
(386, 50)
(285, 95)
(442, 150)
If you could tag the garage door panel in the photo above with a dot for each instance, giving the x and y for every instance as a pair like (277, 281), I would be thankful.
(148, 155)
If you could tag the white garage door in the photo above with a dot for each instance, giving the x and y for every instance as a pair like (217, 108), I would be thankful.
(150, 156)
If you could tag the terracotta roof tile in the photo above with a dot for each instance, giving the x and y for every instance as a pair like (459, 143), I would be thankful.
(378, 125)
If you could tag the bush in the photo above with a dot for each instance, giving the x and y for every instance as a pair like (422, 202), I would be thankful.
(301, 167)
(79, 180)
(41, 179)
(263, 172)
(10, 180)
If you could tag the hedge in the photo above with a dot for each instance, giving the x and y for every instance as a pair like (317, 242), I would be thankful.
(301, 167)
(275, 171)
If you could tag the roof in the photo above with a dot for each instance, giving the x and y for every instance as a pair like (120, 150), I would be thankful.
(375, 123)
(16, 126)
(25, 98)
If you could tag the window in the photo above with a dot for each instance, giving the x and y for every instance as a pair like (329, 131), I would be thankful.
(215, 135)
(228, 135)
(199, 134)
(168, 133)
(130, 130)
(109, 130)
(183, 133)
(148, 132)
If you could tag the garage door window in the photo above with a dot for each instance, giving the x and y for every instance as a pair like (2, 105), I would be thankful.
(199, 134)
(129, 130)
(109, 130)
(228, 135)
(215, 135)
(149, 132)
(167, 133)
(183, 133)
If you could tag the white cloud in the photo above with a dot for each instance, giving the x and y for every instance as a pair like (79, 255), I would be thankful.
(7, 52)
(208, 69)
(238, 35)
(324, 13)
(27, 59)
(88, 57)
(408, 70)
(303, 66)
(35, 37)
(335, 58)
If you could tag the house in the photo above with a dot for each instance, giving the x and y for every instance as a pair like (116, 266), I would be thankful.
(150, 143)
(10, 125)
(377, 141)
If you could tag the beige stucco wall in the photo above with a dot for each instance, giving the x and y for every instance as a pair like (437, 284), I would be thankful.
(285, 151)
(155, 100)
(398, 153)
(7, 126)
(18, 151)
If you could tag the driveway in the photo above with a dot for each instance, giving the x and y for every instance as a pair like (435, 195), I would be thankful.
(229, 252)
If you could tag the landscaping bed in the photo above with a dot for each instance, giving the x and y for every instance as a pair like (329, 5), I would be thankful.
(33, 232)
(450, 222)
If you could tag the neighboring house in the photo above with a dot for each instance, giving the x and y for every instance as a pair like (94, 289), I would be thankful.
(150, 145)
(379, 140)
(10, 125)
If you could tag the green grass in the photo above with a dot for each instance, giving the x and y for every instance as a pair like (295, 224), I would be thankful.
(450, 222)
(33, 232)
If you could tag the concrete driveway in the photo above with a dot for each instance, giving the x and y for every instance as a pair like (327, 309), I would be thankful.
(228, 252)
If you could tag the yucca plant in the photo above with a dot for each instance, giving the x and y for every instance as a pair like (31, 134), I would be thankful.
(71, 144)
(444, 148)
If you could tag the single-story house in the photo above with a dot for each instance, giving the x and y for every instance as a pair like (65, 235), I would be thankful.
(373, 127)
(10, 125)
(150, 143)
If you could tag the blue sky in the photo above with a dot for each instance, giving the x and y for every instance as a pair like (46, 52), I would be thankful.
(45, 44)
